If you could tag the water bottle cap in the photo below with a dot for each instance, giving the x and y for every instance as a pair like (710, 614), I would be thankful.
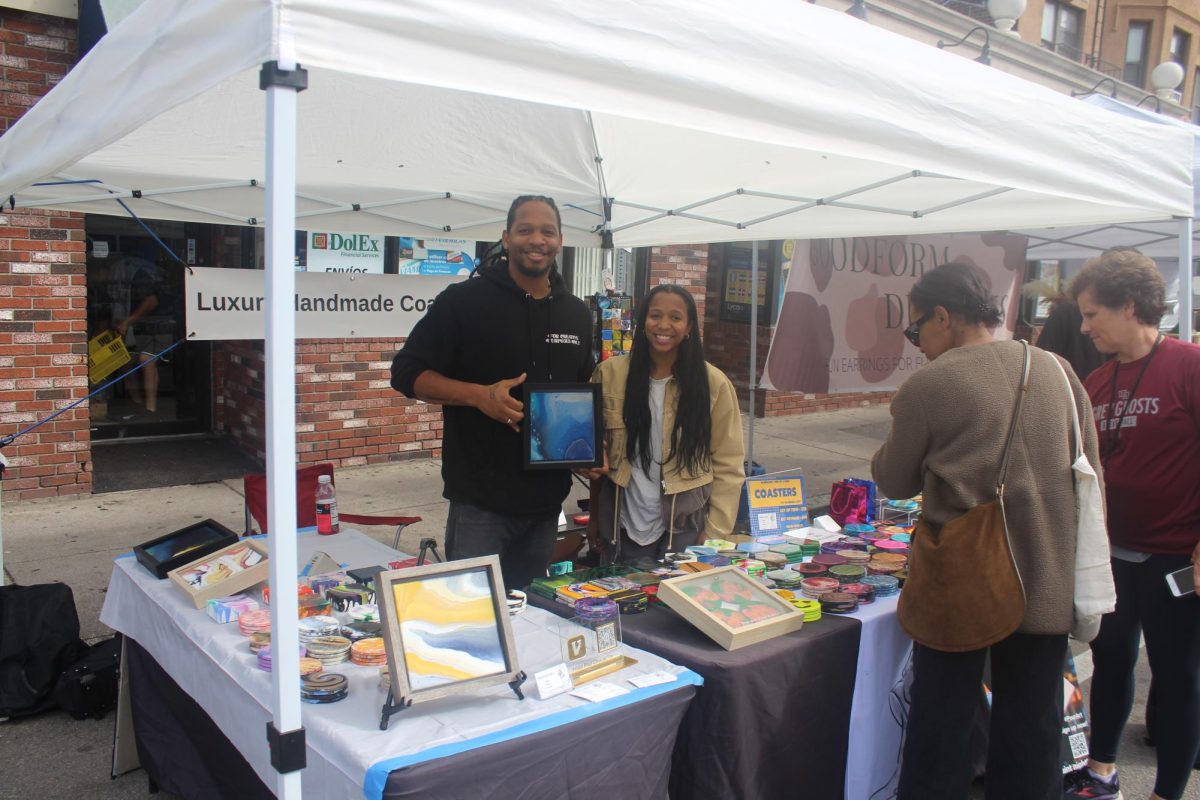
(324, 479)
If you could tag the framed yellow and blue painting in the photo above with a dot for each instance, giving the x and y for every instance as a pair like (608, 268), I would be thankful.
(447, 628)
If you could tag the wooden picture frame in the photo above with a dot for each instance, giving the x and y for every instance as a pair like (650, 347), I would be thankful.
(223, 573)
(183, 546)
(426, 658)
(730, 607)
(563, 426)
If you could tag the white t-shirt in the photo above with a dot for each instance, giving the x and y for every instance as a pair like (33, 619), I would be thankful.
(641, 513)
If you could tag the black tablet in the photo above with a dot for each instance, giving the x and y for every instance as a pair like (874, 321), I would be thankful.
(183, 546)
(563, 426)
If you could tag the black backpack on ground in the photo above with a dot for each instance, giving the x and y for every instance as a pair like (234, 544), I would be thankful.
(39, 638)
(88, 688)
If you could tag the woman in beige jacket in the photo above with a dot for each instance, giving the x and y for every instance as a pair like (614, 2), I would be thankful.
(673, 438)
(950, 422)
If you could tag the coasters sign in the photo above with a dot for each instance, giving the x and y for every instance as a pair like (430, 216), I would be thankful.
(776, 505)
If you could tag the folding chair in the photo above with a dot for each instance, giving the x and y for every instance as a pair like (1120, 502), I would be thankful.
(255, 488)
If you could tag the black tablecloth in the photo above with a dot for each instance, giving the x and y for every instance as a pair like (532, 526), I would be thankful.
(619, 754)
(772, 719)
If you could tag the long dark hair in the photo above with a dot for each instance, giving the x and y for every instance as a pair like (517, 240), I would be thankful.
(496, 254)
(691, 438)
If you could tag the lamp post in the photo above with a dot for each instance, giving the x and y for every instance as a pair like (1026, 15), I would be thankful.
(1165, 77)
(1005, 14)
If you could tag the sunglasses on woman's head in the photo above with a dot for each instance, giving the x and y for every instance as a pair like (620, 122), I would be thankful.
(913, 332)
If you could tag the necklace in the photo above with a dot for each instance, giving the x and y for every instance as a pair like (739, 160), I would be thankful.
(1112, 437)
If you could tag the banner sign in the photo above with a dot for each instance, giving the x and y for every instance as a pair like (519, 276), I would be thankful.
(776, 505)
(845, 306)
(230, 304)
(436, 256)
(344, 252)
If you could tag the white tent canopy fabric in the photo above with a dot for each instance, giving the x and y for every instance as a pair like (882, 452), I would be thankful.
(703, 122)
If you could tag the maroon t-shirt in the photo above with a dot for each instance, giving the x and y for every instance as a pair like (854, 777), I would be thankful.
(1152, 478)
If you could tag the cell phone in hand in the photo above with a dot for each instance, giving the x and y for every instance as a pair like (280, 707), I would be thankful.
(1181, 582)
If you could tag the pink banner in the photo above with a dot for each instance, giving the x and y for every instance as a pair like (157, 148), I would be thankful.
(845, 306)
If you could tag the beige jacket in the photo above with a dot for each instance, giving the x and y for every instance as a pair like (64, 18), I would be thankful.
(949, 423)
(720, 486)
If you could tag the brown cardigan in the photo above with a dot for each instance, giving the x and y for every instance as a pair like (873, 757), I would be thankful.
(949, 423)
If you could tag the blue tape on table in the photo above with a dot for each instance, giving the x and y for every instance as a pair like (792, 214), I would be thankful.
(376, 777)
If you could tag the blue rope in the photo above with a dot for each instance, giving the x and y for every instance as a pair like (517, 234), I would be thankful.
(68, 183)
(7, 440)
(153, 235)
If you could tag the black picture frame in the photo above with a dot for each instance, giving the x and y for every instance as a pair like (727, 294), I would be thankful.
(183, 546)
(568, 450)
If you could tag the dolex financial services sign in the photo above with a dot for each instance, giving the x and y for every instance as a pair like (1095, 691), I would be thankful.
(231, 304)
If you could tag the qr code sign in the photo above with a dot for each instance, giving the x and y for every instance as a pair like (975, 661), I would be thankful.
(1079, 745)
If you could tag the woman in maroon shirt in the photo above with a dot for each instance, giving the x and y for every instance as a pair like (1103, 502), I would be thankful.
(1146, 402)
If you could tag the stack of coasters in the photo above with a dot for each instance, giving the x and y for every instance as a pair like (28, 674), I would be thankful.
(699, 550)
(367, 612)
(771, 539)
(864, 592)
(264, 659)
(259, 640)
(258, 621)
(809, 548)
(848, 573)
(884, 585)
(752, 567)
(891, 546)
(902, 538)
(228, 609)
(829, 559)
(630, 601)
(369, 652)
(356, 631)
(814, 588)
(751, 547)
(855, 556)
(679, 558)
(694, 566)
(720, 544)
(793, 553)
(329, 649)
(901, 577)
(313, 627)
(323, 687)
(738, 538)
(614, 583)
(811, 608)
(785, 579)
(772, 560)
(838, 603)
(876, 567)
(810, 569)
(858, 528)
(855, 542)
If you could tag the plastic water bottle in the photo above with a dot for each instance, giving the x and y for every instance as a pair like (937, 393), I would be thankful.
(327, 516)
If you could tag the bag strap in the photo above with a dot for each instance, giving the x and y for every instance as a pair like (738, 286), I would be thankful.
(1022, 390)
(1074, 410)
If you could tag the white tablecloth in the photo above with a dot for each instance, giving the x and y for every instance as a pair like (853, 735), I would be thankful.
(880, 703)
(348, 756)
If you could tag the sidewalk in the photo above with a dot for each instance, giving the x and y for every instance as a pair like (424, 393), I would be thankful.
(74, 541)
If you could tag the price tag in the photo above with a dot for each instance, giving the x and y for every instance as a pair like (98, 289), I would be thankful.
(553, 681)
(595, 692)
(652, 679)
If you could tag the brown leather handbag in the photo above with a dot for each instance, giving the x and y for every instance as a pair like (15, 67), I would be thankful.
(963, 590)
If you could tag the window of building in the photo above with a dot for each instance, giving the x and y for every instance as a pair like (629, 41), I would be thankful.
(1062, 29)
(1196, 97)
(1137, 45)
(1181, 46)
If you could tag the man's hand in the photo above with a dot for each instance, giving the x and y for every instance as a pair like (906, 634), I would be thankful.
(497, 403)
(122, 327)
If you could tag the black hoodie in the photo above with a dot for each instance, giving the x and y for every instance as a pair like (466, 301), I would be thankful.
(483, 330)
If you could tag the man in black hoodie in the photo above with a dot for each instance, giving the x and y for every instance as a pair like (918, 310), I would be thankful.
(513, 321)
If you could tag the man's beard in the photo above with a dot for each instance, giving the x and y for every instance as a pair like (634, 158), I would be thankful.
(530, 272)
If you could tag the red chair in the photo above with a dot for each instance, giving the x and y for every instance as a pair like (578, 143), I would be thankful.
(255, 488)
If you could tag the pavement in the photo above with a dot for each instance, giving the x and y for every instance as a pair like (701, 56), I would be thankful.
(74, 540)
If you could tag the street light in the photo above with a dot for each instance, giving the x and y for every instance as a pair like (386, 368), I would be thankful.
(985, 54)
(1005, 14)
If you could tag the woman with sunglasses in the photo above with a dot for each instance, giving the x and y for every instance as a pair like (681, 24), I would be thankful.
(950, 424)
(1147, 407)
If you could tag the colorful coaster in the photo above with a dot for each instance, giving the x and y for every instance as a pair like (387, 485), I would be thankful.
(369, 652)
(258, 621)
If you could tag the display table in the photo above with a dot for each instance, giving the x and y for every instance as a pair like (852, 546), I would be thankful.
(460, 746)
(806, 714)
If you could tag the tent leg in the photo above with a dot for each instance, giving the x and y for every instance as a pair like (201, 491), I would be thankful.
(1185, 279)
(280, 79)
(753, 351)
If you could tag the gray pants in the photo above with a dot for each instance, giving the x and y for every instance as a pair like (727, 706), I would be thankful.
(524, 544)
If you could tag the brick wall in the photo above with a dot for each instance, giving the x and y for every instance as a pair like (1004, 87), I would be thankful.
(727, 345)
(684, 265)
(43, 290)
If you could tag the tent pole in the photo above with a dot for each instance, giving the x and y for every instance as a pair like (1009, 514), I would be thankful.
(280, 79)
(753, 351)
(1185, 279)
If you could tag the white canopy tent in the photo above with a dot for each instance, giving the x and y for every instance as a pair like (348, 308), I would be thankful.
(702, 121)
(1168, 239)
